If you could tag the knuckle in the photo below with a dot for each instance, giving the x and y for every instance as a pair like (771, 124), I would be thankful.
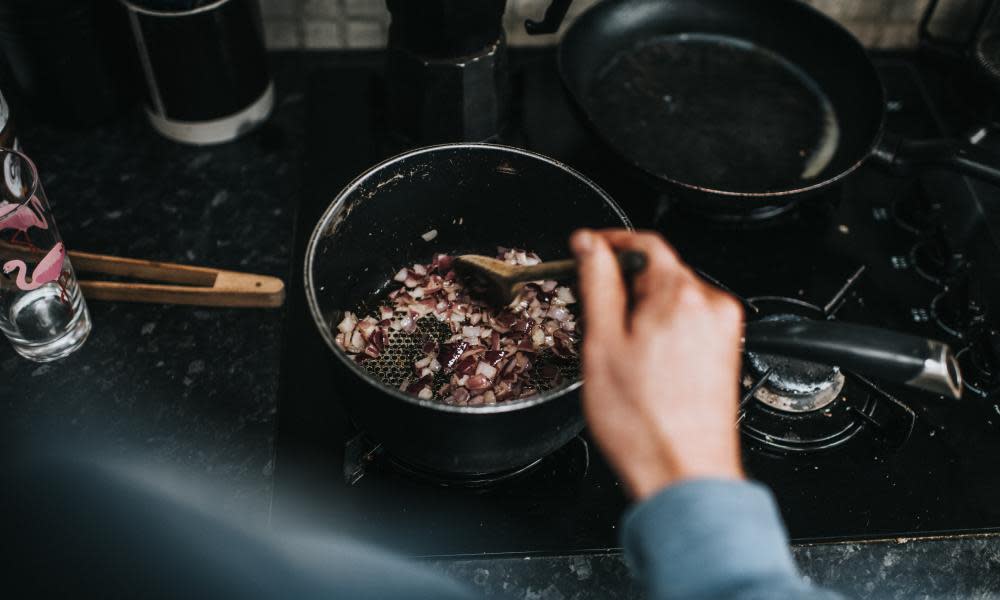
(691, 296)
(728, 309)
(662, 252)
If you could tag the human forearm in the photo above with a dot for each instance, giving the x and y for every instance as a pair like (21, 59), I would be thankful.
(713, 538)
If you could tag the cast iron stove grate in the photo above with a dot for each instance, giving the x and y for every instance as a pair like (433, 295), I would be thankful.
(795, 406)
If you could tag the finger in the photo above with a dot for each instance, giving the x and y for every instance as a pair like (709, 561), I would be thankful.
(653, 288)
(602, 290)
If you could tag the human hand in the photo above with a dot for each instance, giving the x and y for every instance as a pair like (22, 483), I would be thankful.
(660, 379)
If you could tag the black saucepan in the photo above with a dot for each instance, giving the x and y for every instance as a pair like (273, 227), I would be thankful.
(738, 102)
(475, 197)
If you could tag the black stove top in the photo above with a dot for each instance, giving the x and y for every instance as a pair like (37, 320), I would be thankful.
(859, 460)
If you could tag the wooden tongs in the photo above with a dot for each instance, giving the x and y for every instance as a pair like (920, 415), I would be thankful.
(199, 286)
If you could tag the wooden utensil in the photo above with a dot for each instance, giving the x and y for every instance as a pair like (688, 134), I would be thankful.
(198, 286)
(501, 281)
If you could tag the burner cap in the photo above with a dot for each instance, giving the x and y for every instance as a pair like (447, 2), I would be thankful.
(794, 385)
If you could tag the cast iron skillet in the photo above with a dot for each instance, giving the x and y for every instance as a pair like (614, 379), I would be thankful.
(738, 102)
(476, 197)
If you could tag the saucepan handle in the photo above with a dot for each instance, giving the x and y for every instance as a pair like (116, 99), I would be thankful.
(902, 155)
(554, 15)
(888, 355)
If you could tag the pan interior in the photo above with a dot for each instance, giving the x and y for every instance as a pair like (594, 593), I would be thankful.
(716, 112)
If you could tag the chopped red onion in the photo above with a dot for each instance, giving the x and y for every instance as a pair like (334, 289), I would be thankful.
(478, 383)
(459, 396)
(491, 352)
(559, 314)
(367, 326)
(565, 295)
(378, 339)
(466, 366)
(348, 323)
(484, 368)
(357, 342)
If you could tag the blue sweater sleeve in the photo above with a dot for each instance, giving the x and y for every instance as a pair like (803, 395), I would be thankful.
(714, 539)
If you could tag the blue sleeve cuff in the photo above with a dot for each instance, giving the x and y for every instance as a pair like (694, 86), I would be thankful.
(710, 538)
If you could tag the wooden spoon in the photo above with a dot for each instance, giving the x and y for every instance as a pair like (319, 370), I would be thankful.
(501, 281)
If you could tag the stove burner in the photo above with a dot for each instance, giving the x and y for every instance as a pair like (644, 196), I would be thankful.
(936, 263)
(960, 310)
(790, 385)
(799, 406)
(569, 463)
(980, 364)
(916, 215)
(459, 480)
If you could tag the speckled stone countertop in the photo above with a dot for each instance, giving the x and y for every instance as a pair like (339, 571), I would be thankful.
(193, 390)
(953, 568)
(181, 388)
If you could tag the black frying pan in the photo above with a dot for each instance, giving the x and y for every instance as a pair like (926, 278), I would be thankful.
(744, 102)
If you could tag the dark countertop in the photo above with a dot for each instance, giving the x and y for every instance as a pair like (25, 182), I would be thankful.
(952, 568)
(192, 391)
(186, 389)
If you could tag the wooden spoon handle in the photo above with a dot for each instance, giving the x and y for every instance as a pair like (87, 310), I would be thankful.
(630, 262)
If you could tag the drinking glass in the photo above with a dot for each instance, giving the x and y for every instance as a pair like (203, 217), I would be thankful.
(42, 311)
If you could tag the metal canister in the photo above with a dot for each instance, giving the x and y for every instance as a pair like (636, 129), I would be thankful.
(205, 67)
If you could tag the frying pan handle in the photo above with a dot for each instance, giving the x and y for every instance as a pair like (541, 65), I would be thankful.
(903, 156)
(554, 15)
(918, 362)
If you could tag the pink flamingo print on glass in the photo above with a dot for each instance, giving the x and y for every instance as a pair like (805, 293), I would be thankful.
(21, 218)
(48, 269)
(42, 311)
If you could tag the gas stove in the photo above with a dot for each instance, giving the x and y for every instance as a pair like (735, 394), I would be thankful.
(846, 456)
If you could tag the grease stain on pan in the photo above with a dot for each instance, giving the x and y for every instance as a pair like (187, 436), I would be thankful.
(506, 169)
(422, 170)
(368, 190)
(341, 217)
(395, 177)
